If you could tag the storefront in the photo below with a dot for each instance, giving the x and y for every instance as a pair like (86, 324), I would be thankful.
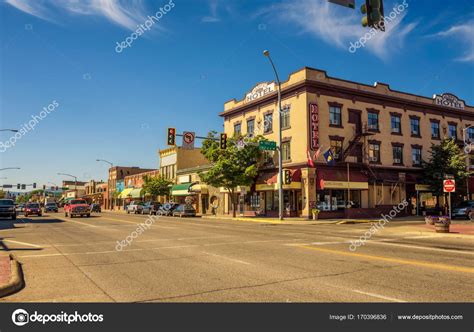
(264, 200)
(338, 190)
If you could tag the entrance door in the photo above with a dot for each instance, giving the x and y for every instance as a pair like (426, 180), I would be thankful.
(355, 118)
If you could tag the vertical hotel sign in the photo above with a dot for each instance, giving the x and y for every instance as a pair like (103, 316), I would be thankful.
(313, 127)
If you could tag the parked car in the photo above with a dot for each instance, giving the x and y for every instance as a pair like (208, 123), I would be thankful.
(151, 208)
(20, 208)
(134, 207)
(50, 207)
(7, 208)
(168, 208)
(33, 208)
(184, 210)
(77, 207)
(463, 210)
(96, 208)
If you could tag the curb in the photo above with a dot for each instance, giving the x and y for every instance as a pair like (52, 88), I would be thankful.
(16, 280)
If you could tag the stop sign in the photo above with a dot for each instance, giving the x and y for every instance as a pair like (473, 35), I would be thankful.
(449, 186)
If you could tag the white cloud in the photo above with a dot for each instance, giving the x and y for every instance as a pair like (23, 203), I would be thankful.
(340, 26)
(126, 13)
(464, 33)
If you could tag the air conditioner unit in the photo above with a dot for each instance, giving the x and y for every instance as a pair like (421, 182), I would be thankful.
(396, 161)
(375, 159)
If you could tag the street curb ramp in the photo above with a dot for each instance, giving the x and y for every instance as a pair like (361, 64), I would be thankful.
(16, 280)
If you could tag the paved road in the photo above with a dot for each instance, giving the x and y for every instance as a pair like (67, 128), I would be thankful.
(189, 260)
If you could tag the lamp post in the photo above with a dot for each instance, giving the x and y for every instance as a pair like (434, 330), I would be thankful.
(280, 157)
(75, 182)
(108, 182)
(12, 130)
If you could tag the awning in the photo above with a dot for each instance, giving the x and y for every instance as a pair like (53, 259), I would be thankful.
(269, 180)
(124, 193)
(337, 179)
(199, 188)
(136, 193)
(181, 189)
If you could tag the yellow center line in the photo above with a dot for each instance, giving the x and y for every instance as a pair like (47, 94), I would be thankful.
(394, 260)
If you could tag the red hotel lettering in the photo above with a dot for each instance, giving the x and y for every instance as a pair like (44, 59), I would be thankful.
(314, 126)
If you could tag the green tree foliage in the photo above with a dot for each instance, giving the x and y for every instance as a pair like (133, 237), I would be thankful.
(156, 186)
(231, 167)
(446, 158)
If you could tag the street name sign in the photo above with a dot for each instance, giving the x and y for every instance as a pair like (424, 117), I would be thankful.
(267, 145)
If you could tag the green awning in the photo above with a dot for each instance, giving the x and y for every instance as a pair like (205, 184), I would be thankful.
(181, 189)
(136, 193)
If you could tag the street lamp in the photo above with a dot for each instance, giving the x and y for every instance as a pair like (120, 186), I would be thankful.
(105, 161)
(75, 182)
(3, 169)
(12, 130)
(280, 157)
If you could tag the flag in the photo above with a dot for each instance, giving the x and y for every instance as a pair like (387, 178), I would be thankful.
(310, 160)
(329, 157)
(317, 153)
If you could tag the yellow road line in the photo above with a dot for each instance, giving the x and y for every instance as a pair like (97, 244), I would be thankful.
(394, 260)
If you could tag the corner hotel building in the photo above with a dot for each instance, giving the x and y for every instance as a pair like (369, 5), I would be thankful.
(378, 136)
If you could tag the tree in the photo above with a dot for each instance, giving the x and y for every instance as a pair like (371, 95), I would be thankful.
(446, 158)
(157, 186)
(235, 166)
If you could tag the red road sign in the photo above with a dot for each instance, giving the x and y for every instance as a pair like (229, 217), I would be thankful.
(449, 186)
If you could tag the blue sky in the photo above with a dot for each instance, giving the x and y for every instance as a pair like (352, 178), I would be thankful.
(116, 106)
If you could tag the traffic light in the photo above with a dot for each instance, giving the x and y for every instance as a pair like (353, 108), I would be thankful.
(34, 185)
(223, 141)
(374, 14)
(287, 176)
(172, 136)
(44, 187)
(18, 186)
(23, 186)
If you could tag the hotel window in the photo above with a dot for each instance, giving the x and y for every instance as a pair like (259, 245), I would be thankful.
(237, 129)
(250, 127)
(336, 148)
(268, 123)
(335, 116)
(415, 126)
(452, 131)
(286, 150)
(416, 156)
(397, 151)
(285, 117)
(374, 152)
(396, 124)
(435, 129)
(373, 121)
(470, 134)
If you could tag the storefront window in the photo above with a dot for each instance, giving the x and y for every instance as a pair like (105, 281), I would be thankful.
(336, 199)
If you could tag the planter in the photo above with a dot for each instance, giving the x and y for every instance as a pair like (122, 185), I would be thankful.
(441, 227)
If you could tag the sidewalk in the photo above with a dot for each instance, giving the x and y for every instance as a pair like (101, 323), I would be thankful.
(11, 278)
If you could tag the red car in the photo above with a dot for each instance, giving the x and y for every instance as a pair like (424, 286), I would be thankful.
(33, 208)
(77, 207)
